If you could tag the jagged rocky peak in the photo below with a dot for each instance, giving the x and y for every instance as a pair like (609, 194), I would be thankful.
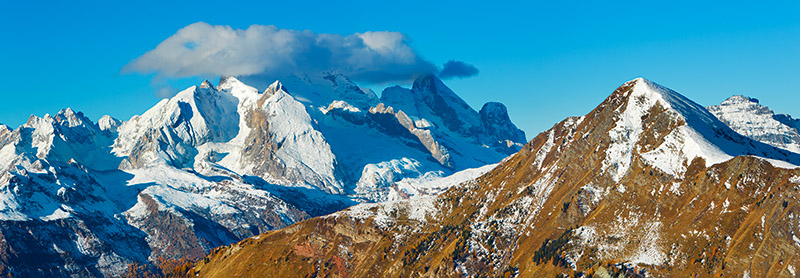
(495, 120)
(430, 104)
(429, 83)
(207, 85)
(339, 80)
(346, 90)
(70, 118)
(5, 129)
(748, 117)
(108, 124)
(456, 114)
(274, 88)
(429, 97)
(740, 104)
(65, 119)
(740, 99)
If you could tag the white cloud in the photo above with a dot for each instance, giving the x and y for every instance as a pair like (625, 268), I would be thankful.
(201, 49)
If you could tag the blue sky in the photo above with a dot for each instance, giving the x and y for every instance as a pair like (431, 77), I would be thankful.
(544, 60)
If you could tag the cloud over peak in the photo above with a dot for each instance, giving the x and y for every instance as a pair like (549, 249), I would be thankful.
(201, 49)
(458, 69)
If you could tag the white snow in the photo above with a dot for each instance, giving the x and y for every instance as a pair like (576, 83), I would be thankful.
(725, 205)
(416, 209)
(340, 104)
(650, 250)
(57, 214)
(107, 123)
(175, 187)
(595, 193)
(302, 146)
(421, 123)
(433, 185)
(702, 135)
(541, 154)
(746, 116)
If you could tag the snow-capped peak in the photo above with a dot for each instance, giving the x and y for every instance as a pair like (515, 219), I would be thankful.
(696, 132)
(243, 92)
(69, 117)
(740, 99)
(746, 116)
(164, 133)
(693, 113)
(227, 81)
(108, 123)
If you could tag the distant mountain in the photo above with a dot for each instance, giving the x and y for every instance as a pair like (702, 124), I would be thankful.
(216, 164)
(746, 116)
(649, 183)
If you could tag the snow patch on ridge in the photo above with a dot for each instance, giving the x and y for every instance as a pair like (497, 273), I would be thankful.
(627, 130)
(433, 185)
(419, 204)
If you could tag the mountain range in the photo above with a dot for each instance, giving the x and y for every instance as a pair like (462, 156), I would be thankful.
(216, 164)
(649, 183)
(314, 175)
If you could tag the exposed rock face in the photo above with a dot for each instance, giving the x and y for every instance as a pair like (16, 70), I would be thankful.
(431, 105)
(455, 114)
(432, 100)
(746, 116)
(284, 145)
(398, 123)
(495, 122)
(648, 182)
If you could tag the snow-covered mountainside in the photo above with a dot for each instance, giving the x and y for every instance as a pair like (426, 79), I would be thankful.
(749, 118)
(647, 183)
(216, 164)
